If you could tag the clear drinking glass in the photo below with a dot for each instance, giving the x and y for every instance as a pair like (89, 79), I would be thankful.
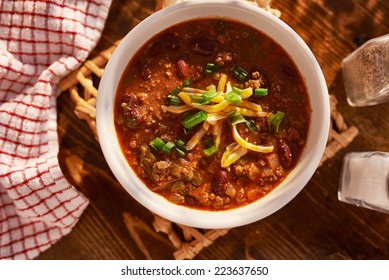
(366, 73)
(364, 180)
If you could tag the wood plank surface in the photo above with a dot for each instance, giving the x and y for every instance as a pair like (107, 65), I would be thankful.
(315, 225)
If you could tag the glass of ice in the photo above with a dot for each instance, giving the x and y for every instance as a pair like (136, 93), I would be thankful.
(366, 73)
(364, 180)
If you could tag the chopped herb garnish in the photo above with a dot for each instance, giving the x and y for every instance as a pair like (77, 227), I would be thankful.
(181, 145)
(175, 91)
(237, 90)
(210, 151)
(252, 125)
(168, 147)
(157, 143)
(241, 74)
(209, 147)
(174, 100)
(211, 68)
(275, 120)
(180, 152)
(235, 117)
(187, 83)
(260, 91)
(194, 120)
(196, 99)
(233, 97)
(208, 95)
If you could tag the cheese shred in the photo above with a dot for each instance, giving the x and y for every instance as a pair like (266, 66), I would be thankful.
(217, 109)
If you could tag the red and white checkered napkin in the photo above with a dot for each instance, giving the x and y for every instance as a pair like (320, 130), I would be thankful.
(40, 43)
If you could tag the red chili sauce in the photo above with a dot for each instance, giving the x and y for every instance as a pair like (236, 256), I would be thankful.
(156, 122)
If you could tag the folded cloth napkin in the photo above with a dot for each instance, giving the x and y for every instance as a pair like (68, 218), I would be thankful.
(40, 43)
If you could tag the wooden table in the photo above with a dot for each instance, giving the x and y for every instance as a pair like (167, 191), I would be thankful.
(315, 225)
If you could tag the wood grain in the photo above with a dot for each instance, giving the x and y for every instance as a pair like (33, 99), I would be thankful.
(315, 225)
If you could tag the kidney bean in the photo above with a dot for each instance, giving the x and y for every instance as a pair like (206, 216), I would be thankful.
(133, 118)
(182, 68)
(131, 111)
(201, 45)
(219, 182)
(130, 98)
(285, 154)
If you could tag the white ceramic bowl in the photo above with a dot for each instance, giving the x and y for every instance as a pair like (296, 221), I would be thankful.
(266, 23)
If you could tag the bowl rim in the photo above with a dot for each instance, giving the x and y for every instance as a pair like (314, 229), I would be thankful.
(296, 179)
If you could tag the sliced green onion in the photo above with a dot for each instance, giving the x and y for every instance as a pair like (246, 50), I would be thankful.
(211, 68)
(233, 97)
(196, 99)
(157, 143)
(187, 82)
(210, 151)
(210, 147)
(208, 95)
(275, 120)
(208, 142)
(211, 87)
(241, 74)
(180, 152)
(181, 145)
(235, 117)
(260, 91)
(168, 147)
(194, 120)
(252, 125)
(175, 91)
(237, 90)
(174, 100)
